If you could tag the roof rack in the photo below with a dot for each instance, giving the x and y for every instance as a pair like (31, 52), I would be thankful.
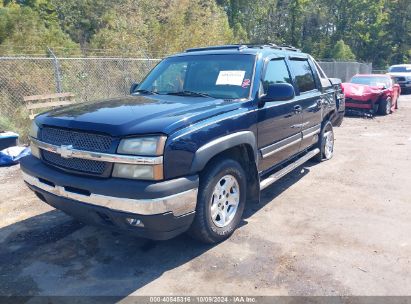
(244, 46)
(284, 47)
(217, 47)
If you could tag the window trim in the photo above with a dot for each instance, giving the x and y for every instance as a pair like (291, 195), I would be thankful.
(267, 60)
(324, 83)
(296, 88)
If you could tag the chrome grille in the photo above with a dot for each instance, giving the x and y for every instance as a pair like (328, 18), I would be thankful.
(76, 164)
(80, 141)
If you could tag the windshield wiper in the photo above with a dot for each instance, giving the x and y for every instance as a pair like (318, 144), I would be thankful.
(145, 91)
(189, 93)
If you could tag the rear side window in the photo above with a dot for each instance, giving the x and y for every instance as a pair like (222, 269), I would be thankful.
(303, 75)
(276, 72)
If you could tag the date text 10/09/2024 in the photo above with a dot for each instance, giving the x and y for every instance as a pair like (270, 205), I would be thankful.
(205, 299)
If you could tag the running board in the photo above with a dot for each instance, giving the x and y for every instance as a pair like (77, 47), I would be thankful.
(279, 174)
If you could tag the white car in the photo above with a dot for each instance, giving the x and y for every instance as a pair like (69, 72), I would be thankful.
(402, 75)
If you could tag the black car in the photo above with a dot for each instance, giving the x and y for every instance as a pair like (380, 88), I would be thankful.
(200, 136)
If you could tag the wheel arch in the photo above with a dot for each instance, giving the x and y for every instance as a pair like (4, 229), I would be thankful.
(329, 117)
(239, 146)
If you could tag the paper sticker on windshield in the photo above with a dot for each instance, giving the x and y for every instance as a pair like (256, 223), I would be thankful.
(246, 83)
(230, 78)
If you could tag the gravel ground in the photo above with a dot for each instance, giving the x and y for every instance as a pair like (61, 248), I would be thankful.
(337, 228)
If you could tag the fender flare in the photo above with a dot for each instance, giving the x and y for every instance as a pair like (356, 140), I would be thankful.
(218, 145)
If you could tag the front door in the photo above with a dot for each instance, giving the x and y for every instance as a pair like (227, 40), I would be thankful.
(279, 122)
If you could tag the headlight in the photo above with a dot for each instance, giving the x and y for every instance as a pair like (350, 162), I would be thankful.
(34, 132)
(138, 171)
(142, 145)
(34, 129)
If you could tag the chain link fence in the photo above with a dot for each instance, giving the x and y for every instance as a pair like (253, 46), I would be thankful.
(87, 78)
(345, 70)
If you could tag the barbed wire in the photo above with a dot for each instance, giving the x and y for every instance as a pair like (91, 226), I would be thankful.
(21, 50)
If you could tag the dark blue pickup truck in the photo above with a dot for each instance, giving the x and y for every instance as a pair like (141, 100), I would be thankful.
(198, 138)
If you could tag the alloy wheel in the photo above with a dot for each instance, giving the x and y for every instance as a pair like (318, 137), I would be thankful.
(224, 201)
(329, 144)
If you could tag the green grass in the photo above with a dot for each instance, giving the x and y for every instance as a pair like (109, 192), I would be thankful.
(17, 122)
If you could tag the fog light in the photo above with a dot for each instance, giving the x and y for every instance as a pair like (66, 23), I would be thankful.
(134, 222)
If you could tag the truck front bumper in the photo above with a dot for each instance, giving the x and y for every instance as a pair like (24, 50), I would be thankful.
(155, 210)
(405, 85)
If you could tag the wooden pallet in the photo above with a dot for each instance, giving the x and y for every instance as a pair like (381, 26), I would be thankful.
(36, 102)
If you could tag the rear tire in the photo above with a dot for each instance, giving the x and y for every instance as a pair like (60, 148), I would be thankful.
(385, 106)
(221, 201)
(326, 143)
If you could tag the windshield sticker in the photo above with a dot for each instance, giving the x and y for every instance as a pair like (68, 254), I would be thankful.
(230, 78)
(246, 83)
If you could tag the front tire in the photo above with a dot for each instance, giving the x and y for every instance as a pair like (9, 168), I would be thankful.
(385, 106)
(221, 201)
(326, 142)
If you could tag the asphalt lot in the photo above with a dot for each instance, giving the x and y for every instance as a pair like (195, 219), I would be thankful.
(337, 228)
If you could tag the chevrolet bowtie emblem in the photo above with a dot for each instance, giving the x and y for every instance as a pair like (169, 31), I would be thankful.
(65, 151)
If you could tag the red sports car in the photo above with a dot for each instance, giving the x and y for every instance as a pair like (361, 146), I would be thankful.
(373, 93)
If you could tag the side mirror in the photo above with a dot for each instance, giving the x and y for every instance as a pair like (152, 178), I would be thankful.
(279, 92)
(133, 87)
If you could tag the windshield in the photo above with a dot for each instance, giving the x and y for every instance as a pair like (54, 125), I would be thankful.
(217, 76)
(372, 81)
(400, 69)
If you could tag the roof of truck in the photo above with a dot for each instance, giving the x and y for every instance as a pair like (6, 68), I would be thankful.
(252, 49)
(401, 65)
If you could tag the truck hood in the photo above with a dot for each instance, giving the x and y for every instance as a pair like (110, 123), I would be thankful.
(137, 114)
(353, 90)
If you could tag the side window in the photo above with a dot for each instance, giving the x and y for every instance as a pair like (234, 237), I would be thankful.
(303, 75)
(276, 72)
(325, 82)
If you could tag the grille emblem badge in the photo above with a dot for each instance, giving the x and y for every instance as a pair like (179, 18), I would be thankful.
(65, 151)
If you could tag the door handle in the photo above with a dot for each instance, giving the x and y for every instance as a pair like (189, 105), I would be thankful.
(298, 109)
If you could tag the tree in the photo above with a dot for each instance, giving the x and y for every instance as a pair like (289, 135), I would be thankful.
(399, 30)
(23, 31)
(377, 31)
(82, 19)
(342, 51)
(163, 27)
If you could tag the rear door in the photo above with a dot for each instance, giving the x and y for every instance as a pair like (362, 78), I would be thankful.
(309, 97)
(279, 122)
